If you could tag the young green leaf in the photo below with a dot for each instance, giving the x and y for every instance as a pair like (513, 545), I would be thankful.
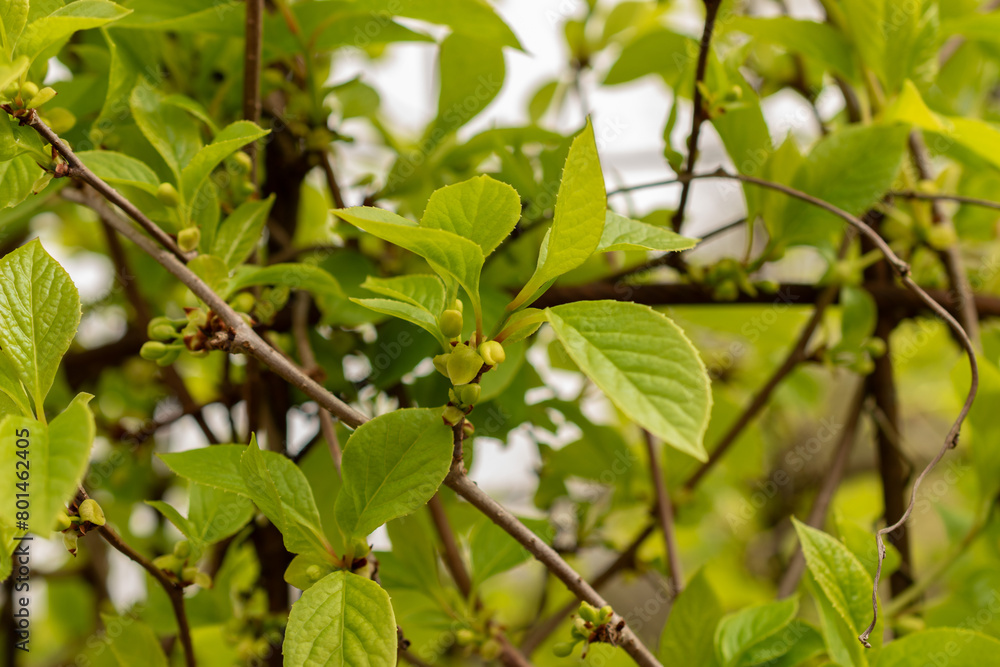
(579, 217)
(13, 399)
(296, 276)
(132, 642)
(120, 169)
(231, 139)
(62, 23)
(240, 232)
(480, 209)
(344, 620)
(39, 314)
(954, 647)
(215, 515)
(13, 16)
(493, 551)
(448, 253)
(690, 630)
(425, 291)
(819, 42)
(621, 233)
(17, 179)
(738, 633)
(843, 580)
(171, 131)
(282, 493)
(217, 466)
(392, 465)
(644, 363)
(407, 311)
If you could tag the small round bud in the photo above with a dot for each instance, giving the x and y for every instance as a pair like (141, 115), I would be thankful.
(492, 352)
(158, 322)
(458, 305)
(244, 302)
(164, 332)
(464, 637)
(940, 237)
(468, 428)
(243, 161)
(168, 563)
(875, 347)
(91, 512)
(197, 317)
(314, 572)
(441, 363)
(468, 394)
(188, 239)
(173, 352)
(490, 649)
(182, 550)
(60, 120)
(563, 649)
(28, 90)
(589, 613)
(451, 323)
(168, 195)
(453, 415)
(152, 350)
(41, 97)
(464, 365)
(69, 541)
(606, 613)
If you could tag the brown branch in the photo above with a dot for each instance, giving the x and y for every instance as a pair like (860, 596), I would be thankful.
(331, 179)
(834, 473)
(452, 556)
(763, 395)
(300, 329)
(941, 196)
(251, 73)
(951, 256)
(80, 171)
(173, 590)
(665, 514)
(699, 114)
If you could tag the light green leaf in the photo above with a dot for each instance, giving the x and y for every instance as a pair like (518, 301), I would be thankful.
(473, 18)
(739, 632)
(240, 232)
(690, 630)
(425, 291)
(16, 140)
(480, 209)
(133, 642)
(621, 233)
(170, 130)
(120, 169)
(298, 572)
(13, 398)
(170, 512)
(213, 272)
(659, 51)
(406, 311)
(15, 429)
(215, 515)
(817, 41)
(281, 491)
(843, 580)
(39, 314)
(13, 16)
(954, 647)
(62, 23)
(858, 316)
(471, 75)
(912, 44)
(644, 363)
(579, 218)
(231, 139)
(866, 22)
(446, 252)
(10, 72)
(215, 16)
(17, 179)
(306, 277)
(217, 466)
(789, 647)
(344, 620)
(392, 465)
(493, 551)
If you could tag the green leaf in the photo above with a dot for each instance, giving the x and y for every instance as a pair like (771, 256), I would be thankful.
(866, 23)
(215, 16)
(170, 130)
(215, 515)
(307, 277)
(644, 363)
(858, 316)
(480, 209)
(217, 466)
(790, 647)
(621, 233)
(912, 43)
(658, 51)
(120, 169)
(13, 398)
(447, 253)
(841, 577)
(579, 218)
(425, 291)
(392, 465)
(13, 16)
(132, 642)
(62, 23)
(690, 630)
(10, 72)
(344, 620)
(406, 311)
(281, 491)
(741, 631)
(231, 139)
(212, 271)
(816, 41)
(472, 72)
(954, 647)
(16, 140)
(39, 314)
(473, 18)
(852, 169)
(493, 551)
(170, 512)
(17, 179)
(240, 232)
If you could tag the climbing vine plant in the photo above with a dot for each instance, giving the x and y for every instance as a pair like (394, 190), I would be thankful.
(161, 506)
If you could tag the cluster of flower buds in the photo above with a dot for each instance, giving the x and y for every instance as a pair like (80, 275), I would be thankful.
(587, 628)
(178, 566)
(89, 515)
(484, 642)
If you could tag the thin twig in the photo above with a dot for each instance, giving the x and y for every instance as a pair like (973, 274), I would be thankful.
(300, 329)
(699, 114)
(943, 196)
(452, 556)
(665, 514)
(80, 171)
(834, 473)
(251, 73)
(326, 159)
(173, 590)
